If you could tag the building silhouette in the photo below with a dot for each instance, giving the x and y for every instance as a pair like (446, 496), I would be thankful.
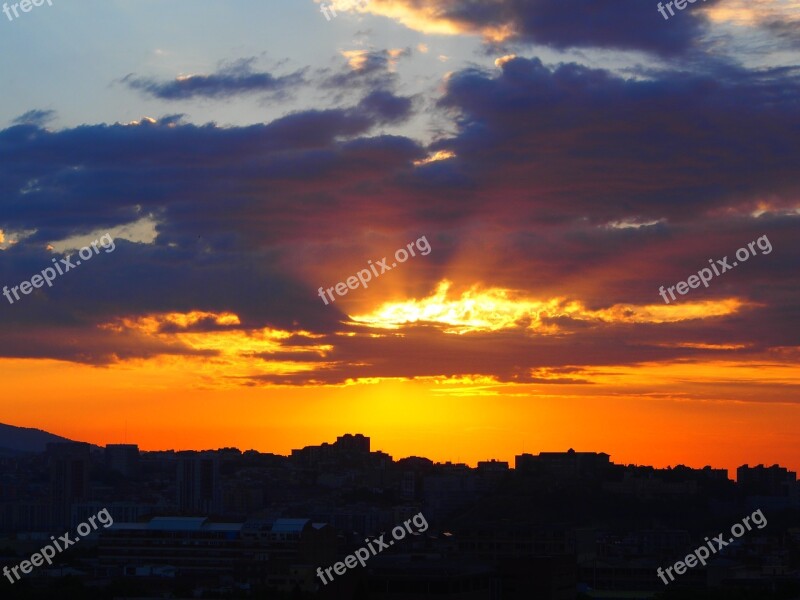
(69, 464)
(123, 458)
(199, 489)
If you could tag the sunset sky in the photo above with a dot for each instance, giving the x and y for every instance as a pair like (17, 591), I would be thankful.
(564, 159)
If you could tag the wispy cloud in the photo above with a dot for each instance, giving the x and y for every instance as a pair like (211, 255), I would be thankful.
(36, 117)
(236, 79)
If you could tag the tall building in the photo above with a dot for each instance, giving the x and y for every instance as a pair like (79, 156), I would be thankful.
(569, 464)
(766, 481)
(123, 458)
(357, 444)
(199, 487)
(69, 478)
(347, 448)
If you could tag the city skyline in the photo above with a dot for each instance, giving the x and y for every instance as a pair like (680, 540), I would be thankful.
(556, 525)
(731, 472)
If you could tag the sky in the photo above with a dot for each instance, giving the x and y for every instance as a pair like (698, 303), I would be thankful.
(549, 168)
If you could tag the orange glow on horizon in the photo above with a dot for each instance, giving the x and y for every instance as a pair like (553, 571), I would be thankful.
(632, 413)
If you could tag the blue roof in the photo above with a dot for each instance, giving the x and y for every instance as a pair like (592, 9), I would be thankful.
(178, 524)
(289, 525)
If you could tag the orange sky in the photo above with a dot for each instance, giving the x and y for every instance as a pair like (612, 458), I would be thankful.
(562, 166)
(162, 404)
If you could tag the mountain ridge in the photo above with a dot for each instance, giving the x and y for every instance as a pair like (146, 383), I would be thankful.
(19, 440)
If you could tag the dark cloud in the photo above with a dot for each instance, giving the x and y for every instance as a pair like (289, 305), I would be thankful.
(111, 175)
(565, 182)
(664, 145)
(517, 356)
(618, 25)
(563, 24)
(231, 80)
(37, 117)
(230, 204)
(386, 107)
(140, 279)
(364, 70)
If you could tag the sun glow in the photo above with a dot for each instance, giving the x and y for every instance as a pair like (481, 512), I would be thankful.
(497, 308)
(435, 157)
(754, 12)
